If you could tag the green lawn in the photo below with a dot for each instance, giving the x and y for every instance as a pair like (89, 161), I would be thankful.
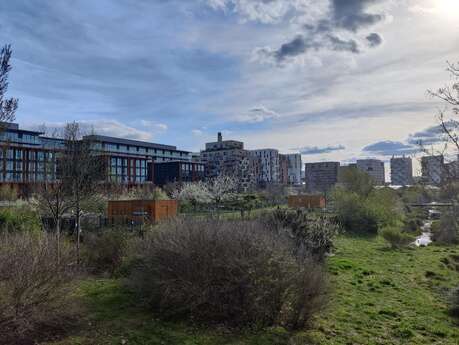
(378, 296)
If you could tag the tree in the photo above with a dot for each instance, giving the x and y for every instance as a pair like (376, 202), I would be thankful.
(357, 181)
(7, 106)
(196, 193)
(80, 171)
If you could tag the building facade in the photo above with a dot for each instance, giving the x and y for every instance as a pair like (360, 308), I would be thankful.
(269, 165)
(283, 169)
(294, 168)
(433, 169)
(321, 176)
(401, 171)
(177, 172)
(375, 168)
(28, 157)
(229, 158)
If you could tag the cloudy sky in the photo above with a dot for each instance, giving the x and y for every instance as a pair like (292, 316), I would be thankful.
(334, 79)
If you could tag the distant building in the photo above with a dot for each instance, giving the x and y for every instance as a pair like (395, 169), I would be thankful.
(374, 168)
(229, 158)
(401, 171)
(433, 169)
(294, 168)
(269, 165)
(343, 172)
(283, 169)
(177, 172)
(322, 176)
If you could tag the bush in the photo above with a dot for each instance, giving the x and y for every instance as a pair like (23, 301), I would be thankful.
(446, 231)
(103, 252)
(32, 284)
(312, 234)
(19, 219)
(396, 238)
(235, 273)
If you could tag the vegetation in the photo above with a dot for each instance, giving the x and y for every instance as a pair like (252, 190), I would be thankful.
(19, 219)
(32, 286)
(226, 272)
(396, 238)
(446, 231)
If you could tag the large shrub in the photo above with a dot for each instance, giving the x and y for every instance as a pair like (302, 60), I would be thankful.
(19, 219)
(446, 231)
(235, 273)
(312, 234)
(32, 287)
(396, 238)
(103, 251)
(454, 302)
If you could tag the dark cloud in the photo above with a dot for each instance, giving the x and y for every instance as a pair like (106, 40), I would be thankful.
(374, 40)
(390, 148)
(338, 44)
(433, 134)
(346, 15)
(351, 14)
(315, 150)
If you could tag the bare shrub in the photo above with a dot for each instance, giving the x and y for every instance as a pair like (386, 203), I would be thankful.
(32, 287)
(235, 273)
(103, 252)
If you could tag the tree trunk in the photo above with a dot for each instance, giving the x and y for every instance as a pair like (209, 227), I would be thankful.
(78, 230)
(58, 236)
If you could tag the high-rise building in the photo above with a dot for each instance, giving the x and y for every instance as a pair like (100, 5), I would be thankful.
(321, 176)
(401, 171)
(374, 168)
(283, 169)
(433, 169)
(177, 172)
(269, 165)
(294, 168)
(229, 158)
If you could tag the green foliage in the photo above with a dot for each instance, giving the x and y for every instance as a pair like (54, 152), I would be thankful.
(396, 238)
(446, 231)
(313, 234)
(244, 203)
(8, 193)
(19, 219)
(357, 181)
(365, 215)
(235, 273)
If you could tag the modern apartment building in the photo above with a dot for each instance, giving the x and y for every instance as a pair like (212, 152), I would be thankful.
(177, 172)
(375, 168)
(294, 168)
(128, 161)
(283, 169)
(401, 171)
(322, 176)
(433, 169)
(229, 158)
(27, 157)
(269, 165)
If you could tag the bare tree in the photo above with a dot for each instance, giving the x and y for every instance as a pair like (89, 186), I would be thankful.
(80, 171)
(7, 106)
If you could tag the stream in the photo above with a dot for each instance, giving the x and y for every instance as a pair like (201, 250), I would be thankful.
(426, 238)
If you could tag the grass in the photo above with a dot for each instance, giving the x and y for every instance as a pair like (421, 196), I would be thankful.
(378, 296)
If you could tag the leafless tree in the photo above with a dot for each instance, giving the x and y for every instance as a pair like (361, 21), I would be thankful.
(7, 106)
(81, 172)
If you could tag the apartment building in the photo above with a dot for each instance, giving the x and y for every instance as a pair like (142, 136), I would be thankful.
(433, 169)
(283, 169)
(401, 171)
(177, 172)
(29, 157)
(294, 168)
(375, 168)
(229, 158)
(321, 176)
(269, 165)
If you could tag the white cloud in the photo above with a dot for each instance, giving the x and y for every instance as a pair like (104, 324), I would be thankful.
(258, 114)
(197, 132)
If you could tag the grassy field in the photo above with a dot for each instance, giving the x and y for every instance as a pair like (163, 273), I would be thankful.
(378, 296)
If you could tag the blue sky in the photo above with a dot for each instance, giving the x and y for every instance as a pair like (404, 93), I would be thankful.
(334, 79)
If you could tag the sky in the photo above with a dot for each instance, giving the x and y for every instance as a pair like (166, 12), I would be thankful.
(332, 79)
